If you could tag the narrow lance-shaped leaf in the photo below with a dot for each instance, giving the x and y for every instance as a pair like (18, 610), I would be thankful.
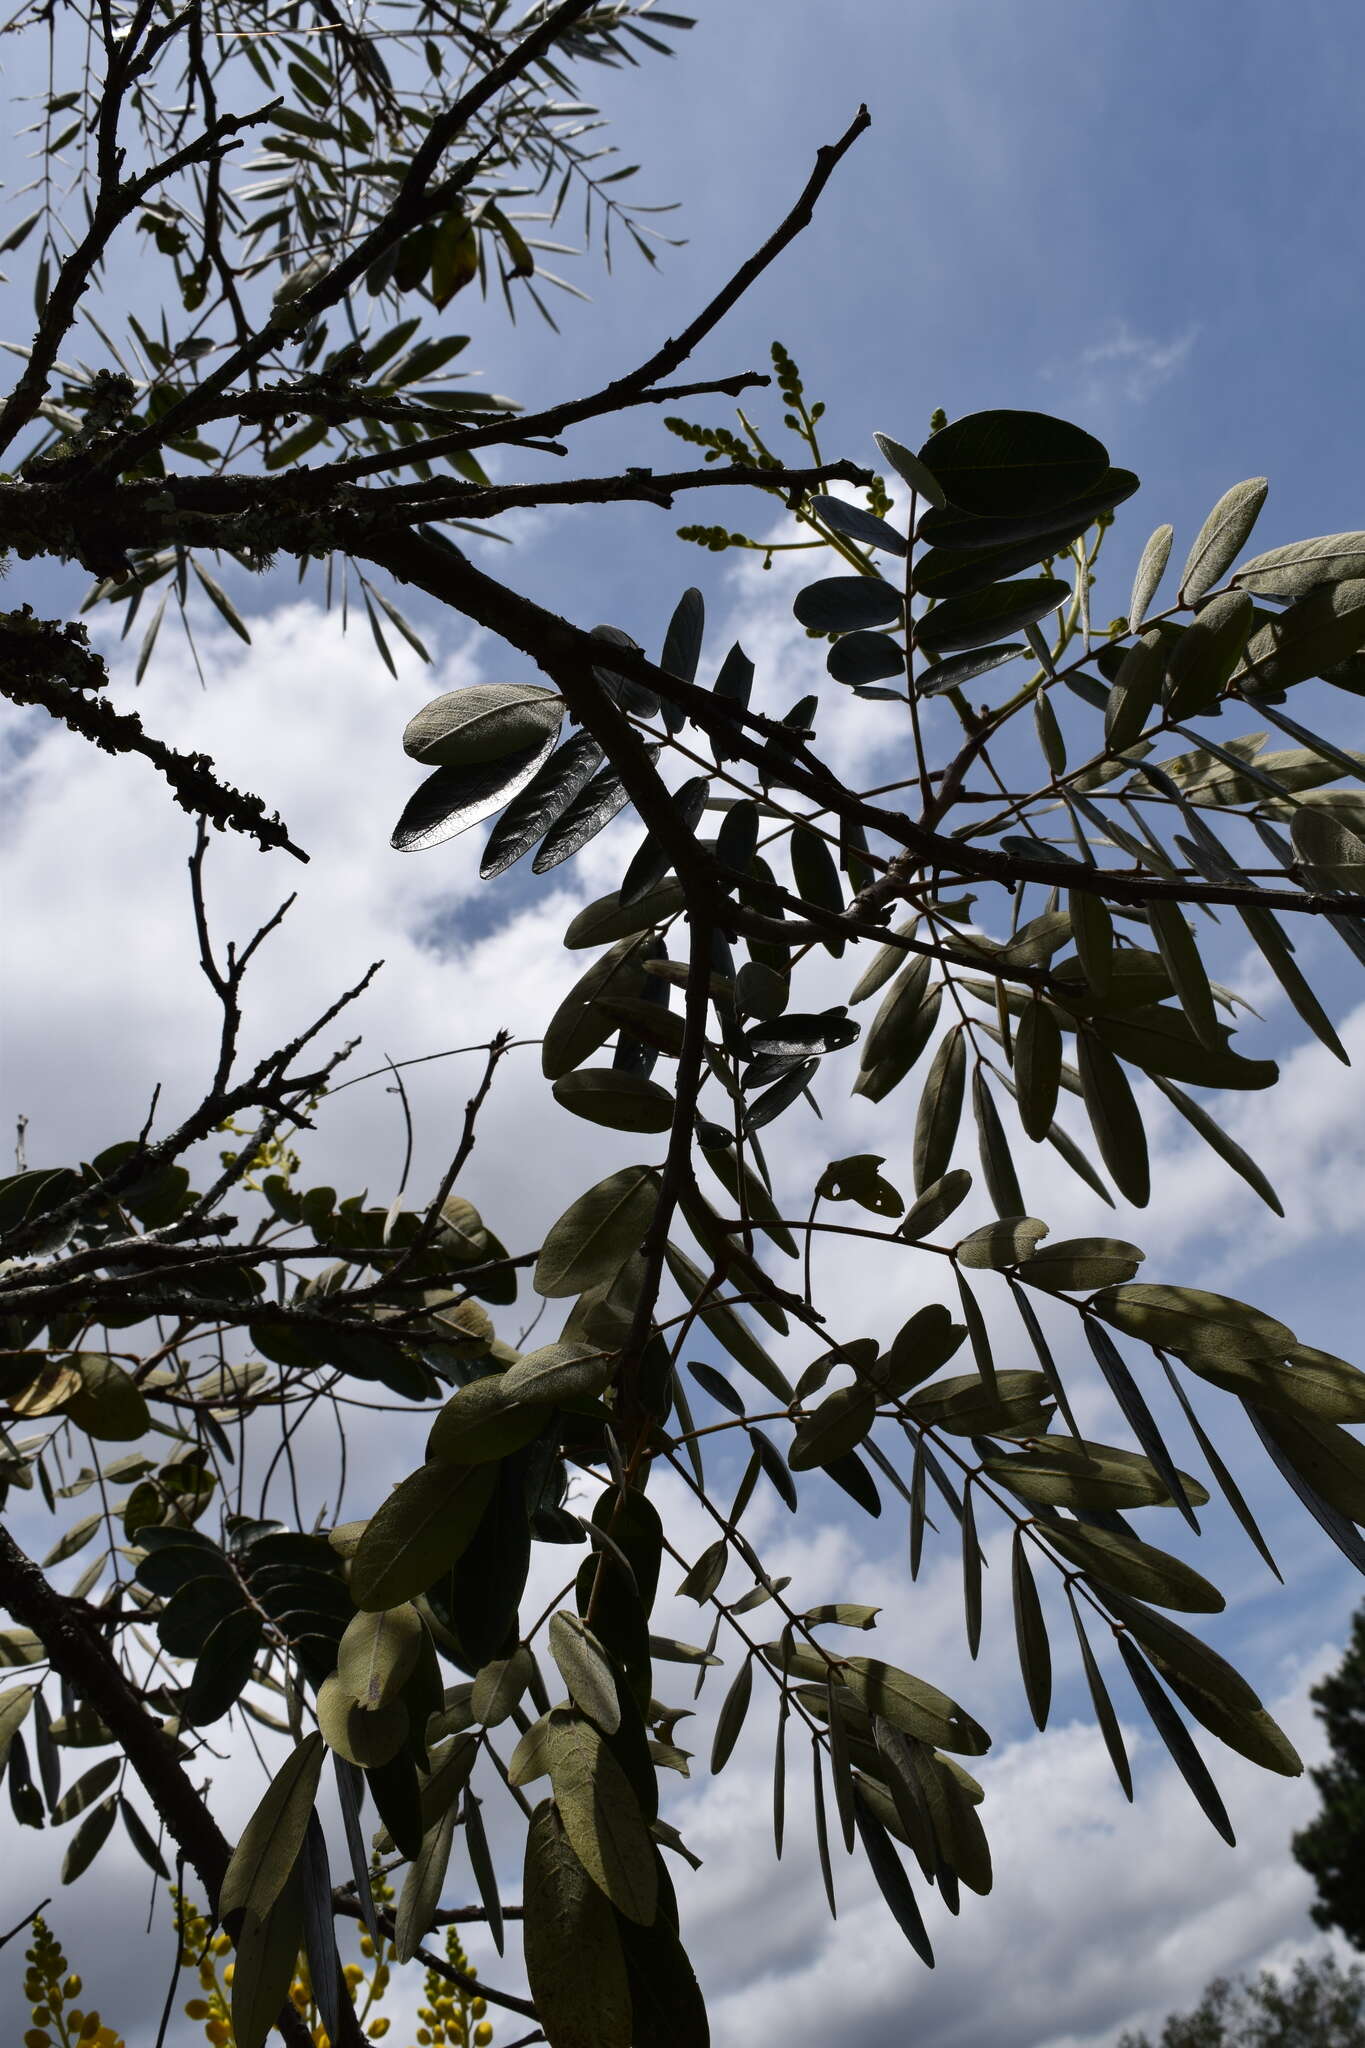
(1138, 1415)
(730, 1719)
(892, 1881)
(940, 1108)
(1103, 1705)
(1115, 1118)
(1176, 1737)
(1030, 1630)
(997, 1167)
(971, 1572)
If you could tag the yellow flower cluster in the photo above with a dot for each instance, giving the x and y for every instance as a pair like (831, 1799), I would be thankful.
(58, 2022)
(452, 2017)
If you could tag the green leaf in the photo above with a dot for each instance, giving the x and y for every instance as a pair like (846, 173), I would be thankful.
(602, 1817)
(541, 804)
(89, 1838)
(940, 1108)
(1115, 1118)
(903, 1040)
(220, 601)
(483, 1420)
(1251, 1731)
(1103, 1705)
(848, 604)
(1037, 1068)
(87, 1787)
(1204, 657)
(971, 622)
(971, 1405)
(971, 1573)
(909, 468)
(892, 1881)
(579, 1026)
(558, 1373)
(908, 1703)
(485, 723)
(1176, 1737)
(224, 1668)
(427, 1522)
(996, 1246)
(940, 1200)
(730, 1719)
(1030, 1631)
(15, 1702)
(1115, 1558)
(922, 1344)
(1076, 1265)
(620, 1100)
(1161, 1041)
(1180, 956)
(263, 1968)
(377, 1653)
(597, 1233)
(1313, 1385)
(1134, 691)
(1221, 538)
(586, 1670)
(453, 799)
(140, 1837)
(109, 1404)
(421, 1893)
(574, 1960)
(1074, 1473)
(269, 1845)
(1302, 565)
(942, 676)
(840, 1422)
(1331, 1460)
(1150, 570)
(1003, 464)
(997, 1166)
(726, 1327)
(1319, 630)
(1190, 1320)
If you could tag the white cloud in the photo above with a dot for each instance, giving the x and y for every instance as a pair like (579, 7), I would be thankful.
(1125, 364)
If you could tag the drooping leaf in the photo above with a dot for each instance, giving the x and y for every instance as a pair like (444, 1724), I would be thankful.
(1035, 1657)
(544, 800)
(418, 1533)
(453, 799)
(1176, 1737)
(263, 1968)
(601, 1814)
(268, 1848)
(940, 1108)
(1114, 1118)
(586, 1670)
(597, 1233)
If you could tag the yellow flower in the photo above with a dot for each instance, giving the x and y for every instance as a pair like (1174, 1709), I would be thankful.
(483, 2034)
(378, 2028)
(197, 2008)
(36, 2038)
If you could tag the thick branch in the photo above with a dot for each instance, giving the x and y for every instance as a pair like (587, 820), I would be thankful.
(196, 788)
(78, 1654)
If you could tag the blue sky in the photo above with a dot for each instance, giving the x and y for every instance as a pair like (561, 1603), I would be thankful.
(1143, 217)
